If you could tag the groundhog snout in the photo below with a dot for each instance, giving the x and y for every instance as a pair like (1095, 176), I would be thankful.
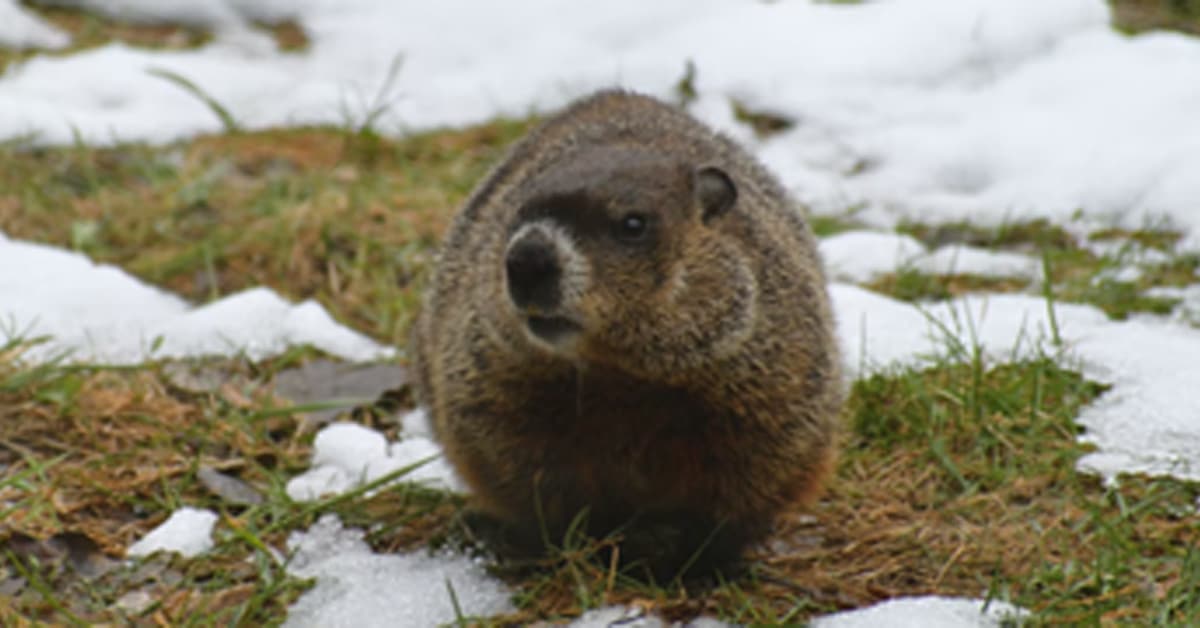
(534, 273)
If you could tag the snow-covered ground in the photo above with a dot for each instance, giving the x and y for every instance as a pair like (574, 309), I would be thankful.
(979, 110)
(990, 110)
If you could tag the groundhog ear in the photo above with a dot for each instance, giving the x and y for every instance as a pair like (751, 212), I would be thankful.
(715, 191)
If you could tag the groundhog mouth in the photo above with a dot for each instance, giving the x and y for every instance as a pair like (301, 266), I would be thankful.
(552, 329)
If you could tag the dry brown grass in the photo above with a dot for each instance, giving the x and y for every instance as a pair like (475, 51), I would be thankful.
(346, 217)
(1137, 16)
(958, 480)
(917, 286)
(116, 440)
(1002, 516)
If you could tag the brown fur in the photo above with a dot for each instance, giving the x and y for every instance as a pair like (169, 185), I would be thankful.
(703, 385)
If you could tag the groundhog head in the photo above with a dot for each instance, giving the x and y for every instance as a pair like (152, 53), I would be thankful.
(626, 257)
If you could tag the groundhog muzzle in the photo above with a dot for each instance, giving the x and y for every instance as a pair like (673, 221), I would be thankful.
(628, 323)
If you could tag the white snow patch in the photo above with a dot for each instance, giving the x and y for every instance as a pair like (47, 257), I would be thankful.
(20, 29)
(356, 587)
(1126, 251)
(968, 260)
(99, 313)
(905, 612)
(1118, 274)
(416, 423)
(348, 455)
(924, 612)
(1145, 424)
(863, 255)
(633, 617)
(987, 110)
(188, 531)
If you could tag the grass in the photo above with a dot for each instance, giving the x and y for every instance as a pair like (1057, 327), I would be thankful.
(343, 216)
(1138, 16)
(1076, 271)
(93, 458)
(956, 479)
(89, 30)
(913, 285)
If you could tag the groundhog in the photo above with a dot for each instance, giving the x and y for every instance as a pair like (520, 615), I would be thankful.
(628, 323)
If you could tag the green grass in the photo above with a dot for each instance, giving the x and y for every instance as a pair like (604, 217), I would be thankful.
(88, 30)
(913, 285)
(956, 479)
(1074, 272)
(105, 454)
(826, 225)
(337, 214)
(998, 445)
(1137, 16)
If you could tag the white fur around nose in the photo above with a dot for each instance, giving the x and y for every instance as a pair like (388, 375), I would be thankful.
(576, 270)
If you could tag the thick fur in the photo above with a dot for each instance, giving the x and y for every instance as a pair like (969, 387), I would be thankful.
(702, 391)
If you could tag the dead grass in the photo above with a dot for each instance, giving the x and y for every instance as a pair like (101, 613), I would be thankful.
(348, 218)
(1137, 16)
(1075, 272)
(91, 459)
(911, 285)
(956, 480)
(89, 30)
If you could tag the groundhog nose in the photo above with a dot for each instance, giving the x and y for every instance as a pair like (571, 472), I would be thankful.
(533, 274)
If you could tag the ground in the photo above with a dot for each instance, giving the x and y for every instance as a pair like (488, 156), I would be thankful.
(957, 477)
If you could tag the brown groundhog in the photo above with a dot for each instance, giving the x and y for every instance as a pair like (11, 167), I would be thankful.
(628, 319)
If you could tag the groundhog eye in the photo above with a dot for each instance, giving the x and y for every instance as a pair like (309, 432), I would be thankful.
(633, 227)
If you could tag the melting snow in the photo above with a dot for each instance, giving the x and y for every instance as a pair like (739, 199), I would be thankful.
(347, 455)
(188, 531)
(99, 313)
(360, 589)
(983, 110)
(989, 111)
(864, 255)
(925, 612)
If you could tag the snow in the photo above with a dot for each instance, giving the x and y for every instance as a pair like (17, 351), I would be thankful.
(633, 617)
(356, 587)
(907, 612)
(860, 256)
(20, 29)
(969, 260)
(987, 110)
(925, 612)
(99, 313)
(188, 531)
(1145, 424)
(348, 455)
(863, 255)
